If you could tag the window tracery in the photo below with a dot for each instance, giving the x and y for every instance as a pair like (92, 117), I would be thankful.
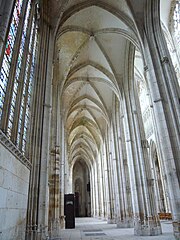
(24, 72)
(18, 69)
(176, 30)
(172, 36)
(176, 21)
(5, 69)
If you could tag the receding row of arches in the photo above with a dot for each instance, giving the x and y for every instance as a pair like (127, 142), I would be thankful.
(89, 104)
(82, 191)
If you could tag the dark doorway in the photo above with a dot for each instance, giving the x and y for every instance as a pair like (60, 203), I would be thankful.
(81, 189)
(76, 204)
(69, 211)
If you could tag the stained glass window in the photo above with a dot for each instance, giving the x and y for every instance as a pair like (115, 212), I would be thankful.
(18, 69)
(174, 46)
(27, 91)
(176, 18)
(24, 72)
(4, 74)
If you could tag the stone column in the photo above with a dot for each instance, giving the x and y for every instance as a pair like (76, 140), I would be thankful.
(107, 184)
(103, 178)
(144, 220)
(145, 216)
(39, 143)
(55, 160)
(116, 177)
(101, 189)
(125, 215)
(93, 197)
(62, 172)
(111, 188)
(95, 184)
(109, 179)
(114, 169)
(68, 174)
(43, 186)
(160, 156)
(43, 208)
(165, 95)
(148, 181)
(57, 166)
(130, 159)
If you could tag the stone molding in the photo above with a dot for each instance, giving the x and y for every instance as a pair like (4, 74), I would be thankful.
(164, 59)
(146, 68)
(6, 142)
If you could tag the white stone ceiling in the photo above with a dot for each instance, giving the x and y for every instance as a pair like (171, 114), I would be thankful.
(91, 46)
(165, 7)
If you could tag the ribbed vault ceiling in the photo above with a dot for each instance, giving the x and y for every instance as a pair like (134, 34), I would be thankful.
(91, 47)
(91, 44)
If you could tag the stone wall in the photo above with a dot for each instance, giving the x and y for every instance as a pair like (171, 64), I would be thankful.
(14, 183)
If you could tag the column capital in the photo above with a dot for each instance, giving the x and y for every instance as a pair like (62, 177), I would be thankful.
(146, 68)
(164, 59)
(145, 143)
(47, 105)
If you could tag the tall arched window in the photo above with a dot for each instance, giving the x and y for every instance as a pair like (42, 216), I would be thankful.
(27, 91)
(17, 73)
(6, 63)
(172, 36)
(176, 36)
(176, 22)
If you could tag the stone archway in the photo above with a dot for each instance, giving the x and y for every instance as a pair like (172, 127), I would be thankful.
(80, 189)
(157, 168)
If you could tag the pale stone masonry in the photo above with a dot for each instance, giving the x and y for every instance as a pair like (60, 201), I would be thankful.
(89, 105)
(14, 186)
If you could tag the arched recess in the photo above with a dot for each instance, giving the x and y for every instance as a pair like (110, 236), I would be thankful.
(81, 189)
(91, 65)
(170, 34)
(142, 92)
(157, 168)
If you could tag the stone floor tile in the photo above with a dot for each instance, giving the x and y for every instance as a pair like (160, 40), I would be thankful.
(92, 229)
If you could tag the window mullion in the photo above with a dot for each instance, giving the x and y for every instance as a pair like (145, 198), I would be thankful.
(29, 78)
(6, 12)
(12, 71)
(21, 80)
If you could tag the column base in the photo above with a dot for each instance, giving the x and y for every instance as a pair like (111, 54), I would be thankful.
(103, 218)
(176, 229)
(55, 229)
(147, 228)
(42, 233)
(62, 222)
(38, 233)
(111, 221)
(126, 223)
(41, 236)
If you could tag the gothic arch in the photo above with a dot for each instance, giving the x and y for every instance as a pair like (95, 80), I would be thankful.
(157, 169)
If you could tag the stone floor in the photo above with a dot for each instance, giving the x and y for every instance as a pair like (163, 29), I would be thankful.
(95, 229)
